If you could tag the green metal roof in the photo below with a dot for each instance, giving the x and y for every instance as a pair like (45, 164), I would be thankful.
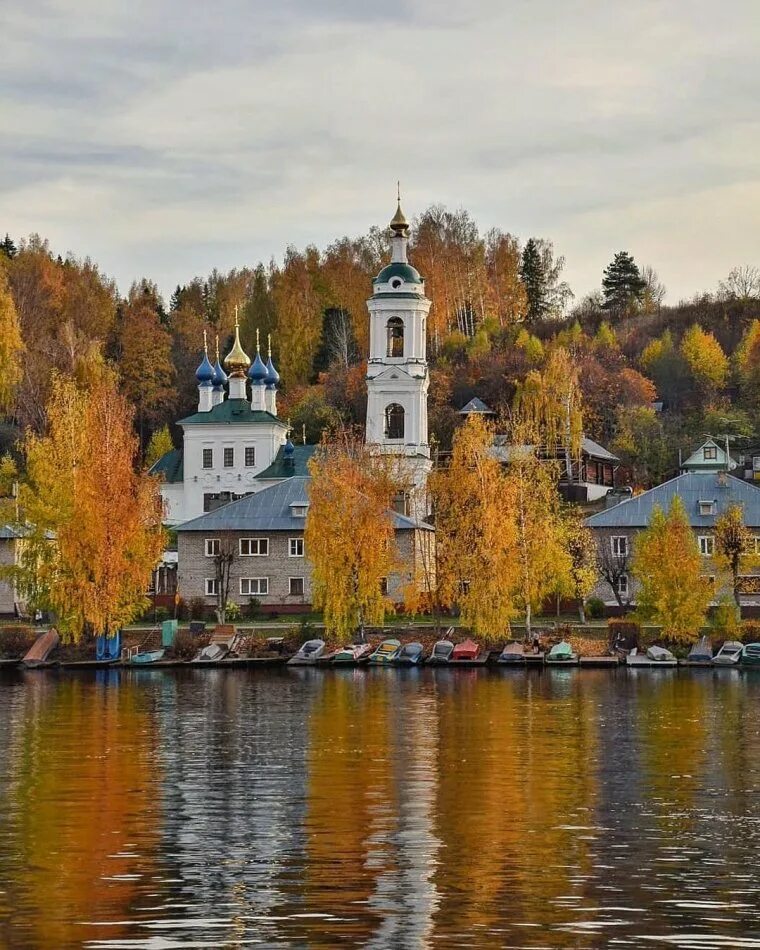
(232, 412)
(169, 466)
(282, 468)
(398, 269)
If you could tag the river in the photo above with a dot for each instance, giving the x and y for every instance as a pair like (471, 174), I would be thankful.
(379, 808)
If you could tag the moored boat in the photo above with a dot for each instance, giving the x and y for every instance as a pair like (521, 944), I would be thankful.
(309, 653)
(145, 659)
(654, 657)
(441, 654)
(352, 654)
(468, 653)
(701, 654)
(729, 654)
(750, 655)
(513, 654)
(410, 654)
(211, 653)
(385, 652)
(41, 649)
(561, 654)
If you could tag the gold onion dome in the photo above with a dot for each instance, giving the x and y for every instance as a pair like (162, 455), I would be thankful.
(237, 360)
(399, 224)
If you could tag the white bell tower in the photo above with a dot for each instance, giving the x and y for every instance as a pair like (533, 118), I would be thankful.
(397, 371)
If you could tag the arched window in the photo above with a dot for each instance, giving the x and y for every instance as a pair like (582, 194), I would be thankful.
(395, 330)
(394, 421)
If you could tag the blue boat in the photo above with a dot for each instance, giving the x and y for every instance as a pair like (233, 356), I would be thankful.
(410, 654)
(143, 659)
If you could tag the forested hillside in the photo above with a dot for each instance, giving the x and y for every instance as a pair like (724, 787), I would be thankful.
(500, 307)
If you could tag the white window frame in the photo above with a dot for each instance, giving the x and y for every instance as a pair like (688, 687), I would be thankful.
(258, 543)
(203, 457)
(291, 592)
(231, 450)
(708, 504)
(615, 547)
(295, 543)
(212, 587)
(211, 547)
(713, 456)
(299, 511)
(261, 582)
(622, 585)
(706, 544)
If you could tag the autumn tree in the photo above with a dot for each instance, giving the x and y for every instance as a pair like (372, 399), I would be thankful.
(508, 300)
(349, 534)
(475, 532)
(747, 359)
(622, 285)
(547, 295)
(581, 548)
(160, 443)
(92, 523)
(299, 300)
(705, 359)
(11, 347)
(733, 545)
(668, 565)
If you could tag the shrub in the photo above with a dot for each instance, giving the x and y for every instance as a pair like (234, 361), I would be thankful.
(197, 608)
(15, 641)
(749, 631)
(186, 645)
(725, 620)
(254, 608)
(232, 611)
(595, 608)
(161, 614)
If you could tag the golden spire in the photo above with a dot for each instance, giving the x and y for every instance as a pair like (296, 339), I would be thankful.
(269, 346)
(237, 360)
(399, 223)
(258, 348)
(217, 349)
(205, 343)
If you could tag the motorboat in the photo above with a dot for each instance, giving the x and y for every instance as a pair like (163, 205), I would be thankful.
(729, 654)
(441, 654)
(385, 652)
(750, 655)
(211, 653)
(410, 654)
(513, 654)
(701, 654)
(352, 654)
(309, 653)
(561, 654)
(654, 657)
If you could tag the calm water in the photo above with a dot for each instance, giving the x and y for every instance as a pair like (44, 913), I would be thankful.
(380, 809)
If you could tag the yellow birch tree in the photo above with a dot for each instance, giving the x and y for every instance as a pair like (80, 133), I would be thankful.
(11, 347)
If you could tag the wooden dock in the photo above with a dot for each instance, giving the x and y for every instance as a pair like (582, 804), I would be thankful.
(606, 662)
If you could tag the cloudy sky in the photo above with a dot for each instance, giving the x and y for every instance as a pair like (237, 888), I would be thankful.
(167, 137)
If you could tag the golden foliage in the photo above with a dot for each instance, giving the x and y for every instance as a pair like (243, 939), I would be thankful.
(11, 347)
(668, 565)
(707, 362)
(349, 535)
(550, 405)
(93, 523)
(160, 443)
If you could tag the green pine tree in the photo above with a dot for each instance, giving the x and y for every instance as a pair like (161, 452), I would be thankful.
(534, 279)
(622, 284)
(7, 247)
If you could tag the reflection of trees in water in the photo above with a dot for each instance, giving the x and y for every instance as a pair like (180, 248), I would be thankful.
(78, 815)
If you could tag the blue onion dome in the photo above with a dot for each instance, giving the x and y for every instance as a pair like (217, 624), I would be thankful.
(220, 377)
(258, 372)
(289, 449)
(273, 377)
(205, 372)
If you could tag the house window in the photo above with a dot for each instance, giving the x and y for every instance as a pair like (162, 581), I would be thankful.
(212, 587)
(250, 456)
(296, 587)
(619, 546)
(706, 545)
(622, 585)
(707, 507)
(394, 421)
(298, 511)
(229, 456)
(296, 547)
(252, 586)
(710, 453)
(401, 503)
(395, 331)
(208, 458)
(384, 586)
(212, 546)
(254, 547)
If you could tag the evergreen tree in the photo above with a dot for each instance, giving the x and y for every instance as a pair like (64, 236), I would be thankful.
(338, 345)
(176, 299)
(534, 279)
(622, 284)
(7, 247)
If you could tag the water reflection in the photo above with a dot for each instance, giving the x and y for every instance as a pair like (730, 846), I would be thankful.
(378, 808)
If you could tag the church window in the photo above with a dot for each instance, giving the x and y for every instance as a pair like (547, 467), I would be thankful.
(394, 421)
(250, 456)
(208, 458)
(229, 456)
(395, 330)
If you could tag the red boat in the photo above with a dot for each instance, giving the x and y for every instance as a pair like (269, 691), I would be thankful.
(466, 650)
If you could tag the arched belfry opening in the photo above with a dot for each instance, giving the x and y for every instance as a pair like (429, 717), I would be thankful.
(395, 335)
(394, 421)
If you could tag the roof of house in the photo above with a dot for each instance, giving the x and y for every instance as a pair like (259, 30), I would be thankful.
(232, 412)
(505, 451)
(7, 533)
(692, 487)
(697, 460)
(170, 466)
(271, 509)
(476, 405)
(282, 468)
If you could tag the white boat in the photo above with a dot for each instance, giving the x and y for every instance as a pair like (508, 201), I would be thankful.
(309, 653)
(212, 653)
(352, 654)
(729, 654)
(654, 656)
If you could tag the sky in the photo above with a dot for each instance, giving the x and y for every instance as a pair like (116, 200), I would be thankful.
(163, 138)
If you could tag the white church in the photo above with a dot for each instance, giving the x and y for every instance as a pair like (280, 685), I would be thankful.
(236, 445)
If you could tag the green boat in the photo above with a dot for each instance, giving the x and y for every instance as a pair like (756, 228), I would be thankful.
(561, 654)
(385, 652)
(151, 656)
(750, 655)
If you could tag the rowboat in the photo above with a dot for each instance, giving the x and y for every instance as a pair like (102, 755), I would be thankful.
(561, 654)
(441, 653)
(309, 653)
(410, 654)
(150, 656)
(729, 654)
(701, 654)
(750, 655)
(467, 653)
(385, 652)
(41, 649)
(513, 654)
(654, 657)
(352, 654)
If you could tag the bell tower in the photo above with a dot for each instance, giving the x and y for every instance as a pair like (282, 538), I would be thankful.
(397, 371)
